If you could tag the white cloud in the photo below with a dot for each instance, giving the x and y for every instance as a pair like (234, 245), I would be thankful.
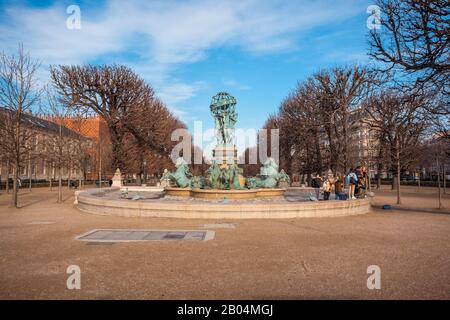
(176, 92)
(234, 84)
(157, 36)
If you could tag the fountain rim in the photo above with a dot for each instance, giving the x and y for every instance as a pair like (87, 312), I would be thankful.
(231, 194)
(86, 201)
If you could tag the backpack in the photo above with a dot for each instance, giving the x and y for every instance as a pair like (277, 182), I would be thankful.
(315, 183)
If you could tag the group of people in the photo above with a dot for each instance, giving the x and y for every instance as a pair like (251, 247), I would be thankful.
(349, 187)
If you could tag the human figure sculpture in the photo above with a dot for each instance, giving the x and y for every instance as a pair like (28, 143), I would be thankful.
(225, 117)
(234, 173)
(269, 168)
(213, 175)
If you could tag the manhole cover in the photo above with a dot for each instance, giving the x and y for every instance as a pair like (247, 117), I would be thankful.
(129, 235)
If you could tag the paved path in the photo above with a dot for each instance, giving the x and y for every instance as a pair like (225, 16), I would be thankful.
(303, 258)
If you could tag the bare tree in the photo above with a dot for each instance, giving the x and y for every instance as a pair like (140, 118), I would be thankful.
(301, 134)
(148, 135)
(80, 145)
(339, 92)
(414, 37)
(18, 94)
(112, 92)
(400, 125)
(60, 143)
(317, 119)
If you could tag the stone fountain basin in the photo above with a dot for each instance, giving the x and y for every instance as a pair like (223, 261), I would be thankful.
(222, 194)
(107, 201)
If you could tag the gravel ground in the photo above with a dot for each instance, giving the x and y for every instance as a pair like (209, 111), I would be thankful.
(313, 258)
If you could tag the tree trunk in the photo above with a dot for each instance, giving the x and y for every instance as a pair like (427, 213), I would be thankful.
(334, 155)
(116, 144)
(8, 168)
(69, 176)
(379, 164)
(59, 184)
(79, 179)
(100, 172)
(445, 178)
(345, 141)
(398, 170)
(15, 184)
(379, 179)
(439, 184)
(16, 161)
(50, 174)
(318, 154)
(29, 174)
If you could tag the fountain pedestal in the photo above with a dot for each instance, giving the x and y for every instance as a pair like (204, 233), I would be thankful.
(223, 154)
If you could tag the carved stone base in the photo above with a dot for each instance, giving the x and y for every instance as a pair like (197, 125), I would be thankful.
(214, 194)
(225, 154)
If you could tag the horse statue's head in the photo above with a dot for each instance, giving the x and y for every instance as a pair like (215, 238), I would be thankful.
(269, 168)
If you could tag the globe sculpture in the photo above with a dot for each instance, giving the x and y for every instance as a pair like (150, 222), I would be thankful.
(223, 110)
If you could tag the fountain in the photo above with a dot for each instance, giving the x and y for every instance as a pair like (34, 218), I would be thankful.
(224, 179)
(223, 193)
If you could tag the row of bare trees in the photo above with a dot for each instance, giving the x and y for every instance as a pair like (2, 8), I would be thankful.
(390, 116)
(19, 94)
(343, 117)
(317, 120)
(139, 125)
(413, 46)
(27, 139)
(64, 147)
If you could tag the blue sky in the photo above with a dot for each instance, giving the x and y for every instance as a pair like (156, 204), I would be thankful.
(189, 50)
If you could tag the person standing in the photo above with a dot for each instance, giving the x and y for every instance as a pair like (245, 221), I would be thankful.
(351, 181)
(316, 183)
(327, 187)
(339, 187)
(361, 185)
(357, 184)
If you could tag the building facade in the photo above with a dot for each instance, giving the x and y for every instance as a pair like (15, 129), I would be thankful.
(80, 139)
